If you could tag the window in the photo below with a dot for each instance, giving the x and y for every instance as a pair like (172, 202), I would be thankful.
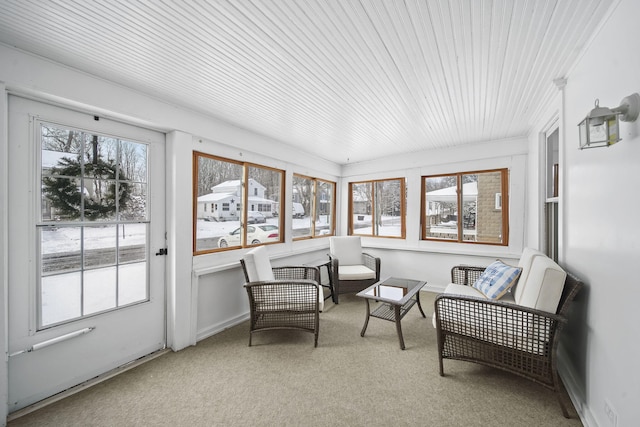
(232, 186)
(552, 223)
(313, 207)
(467, 207)
(93, 226)
(376, 208)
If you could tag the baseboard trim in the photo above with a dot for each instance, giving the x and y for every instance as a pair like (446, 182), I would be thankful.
(215, 329)
(569, 378)
(433, 288)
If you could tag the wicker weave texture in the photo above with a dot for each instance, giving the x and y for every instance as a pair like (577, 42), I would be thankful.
(466, 274)
(297, 272)
(504, 335)
(516, 340)
(285, 304)
(291, 301)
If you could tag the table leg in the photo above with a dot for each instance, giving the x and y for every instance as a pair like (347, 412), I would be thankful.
(366, 320)
(330, 277)
(419, 306)
(396, 309)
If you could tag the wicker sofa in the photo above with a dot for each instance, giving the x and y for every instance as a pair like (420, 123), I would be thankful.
(518, 333)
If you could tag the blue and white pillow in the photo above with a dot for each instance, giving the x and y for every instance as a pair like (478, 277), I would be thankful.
(497, 279)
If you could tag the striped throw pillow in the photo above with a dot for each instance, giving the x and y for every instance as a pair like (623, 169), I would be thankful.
(497, 279)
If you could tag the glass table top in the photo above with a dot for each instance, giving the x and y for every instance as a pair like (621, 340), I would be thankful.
(393, 290)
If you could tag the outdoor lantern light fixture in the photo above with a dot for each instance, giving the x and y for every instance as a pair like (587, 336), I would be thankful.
(601, 127)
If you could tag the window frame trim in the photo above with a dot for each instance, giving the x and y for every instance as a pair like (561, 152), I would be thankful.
(504, 187)
(403, 207)
(39, 224)
(314, 192)
(244, 180)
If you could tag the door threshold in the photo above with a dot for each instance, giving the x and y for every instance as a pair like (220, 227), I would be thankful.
(85, 385)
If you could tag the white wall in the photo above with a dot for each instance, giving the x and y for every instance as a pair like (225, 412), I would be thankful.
(601, 241)
(510, 154)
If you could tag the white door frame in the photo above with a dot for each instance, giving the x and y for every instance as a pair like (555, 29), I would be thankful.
(4, 251)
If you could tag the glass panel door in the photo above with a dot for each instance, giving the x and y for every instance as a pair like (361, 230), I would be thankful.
(86, 210)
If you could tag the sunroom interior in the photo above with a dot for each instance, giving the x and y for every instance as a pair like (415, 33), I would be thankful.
(344, 93)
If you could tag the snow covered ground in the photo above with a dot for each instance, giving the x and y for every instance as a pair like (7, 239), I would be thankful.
(63, 296)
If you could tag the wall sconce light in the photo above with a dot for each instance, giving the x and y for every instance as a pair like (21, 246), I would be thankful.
(601, 127)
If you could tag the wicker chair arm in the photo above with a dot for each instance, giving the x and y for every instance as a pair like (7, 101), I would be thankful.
(296, 272)
(501, 322)
(371, 262)
(283, 282)
(501, 308)
(466, 274)
(290, 295)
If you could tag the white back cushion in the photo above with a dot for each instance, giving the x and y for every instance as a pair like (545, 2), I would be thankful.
(528, 254)
(543, 288)
(258, 266)
(347, 249)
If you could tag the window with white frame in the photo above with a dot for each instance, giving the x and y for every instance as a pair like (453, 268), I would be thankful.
(93, 227)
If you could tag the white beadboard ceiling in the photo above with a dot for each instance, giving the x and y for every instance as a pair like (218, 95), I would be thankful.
(347, 80)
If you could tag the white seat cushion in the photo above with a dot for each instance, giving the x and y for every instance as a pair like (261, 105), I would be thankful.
(347, 249)
(468, 291)
(355, 272)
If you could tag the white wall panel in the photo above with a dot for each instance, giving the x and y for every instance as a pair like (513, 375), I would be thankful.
(600, 242)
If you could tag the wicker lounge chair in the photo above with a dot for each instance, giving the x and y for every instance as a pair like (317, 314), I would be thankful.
(281, 297)
(502, 333)
(352, 270)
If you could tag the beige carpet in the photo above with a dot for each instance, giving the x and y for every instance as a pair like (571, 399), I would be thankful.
(282, 380)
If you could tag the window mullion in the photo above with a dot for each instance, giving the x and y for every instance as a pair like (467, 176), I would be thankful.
(460, 208)
(243, 207)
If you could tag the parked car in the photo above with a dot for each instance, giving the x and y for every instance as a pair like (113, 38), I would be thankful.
(254, 217)
(256, 234)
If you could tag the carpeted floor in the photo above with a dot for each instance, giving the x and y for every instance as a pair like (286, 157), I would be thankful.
(282, 380)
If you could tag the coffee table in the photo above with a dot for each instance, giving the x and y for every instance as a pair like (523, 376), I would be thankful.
(397, 297)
